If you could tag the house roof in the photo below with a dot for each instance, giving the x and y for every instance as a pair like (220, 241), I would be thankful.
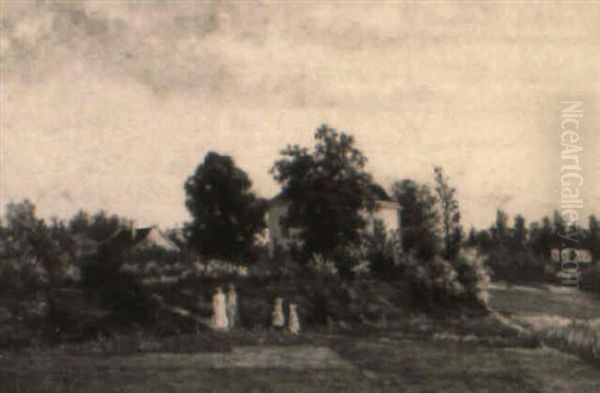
(140, 239)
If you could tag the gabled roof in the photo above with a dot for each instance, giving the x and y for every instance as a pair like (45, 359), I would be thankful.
(140, 239)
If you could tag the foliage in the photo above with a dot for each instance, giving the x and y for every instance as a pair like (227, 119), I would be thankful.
(321, 266)
(420, 219)
(451, 228)
(32, 260)
(226, 215)
(328, 189)
(473, 275)
(382, 250)
(519, 253)
(97, 227)
(592, 237)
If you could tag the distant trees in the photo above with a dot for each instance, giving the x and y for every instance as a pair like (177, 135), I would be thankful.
(327, 188)
(97, 227)
(519, 252)
(27, 240)
(519, 237)
(420, 218)
(500, 232)
(33, 259)
(226, 214)
(542, 237)
(592, 240)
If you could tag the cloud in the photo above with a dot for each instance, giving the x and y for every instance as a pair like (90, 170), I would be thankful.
(160, 44)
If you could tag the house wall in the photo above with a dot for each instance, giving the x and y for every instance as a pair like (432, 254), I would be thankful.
(388, 215)
(276, 233)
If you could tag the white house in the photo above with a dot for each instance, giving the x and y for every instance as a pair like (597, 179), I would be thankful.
(578, 255)
(387, 212)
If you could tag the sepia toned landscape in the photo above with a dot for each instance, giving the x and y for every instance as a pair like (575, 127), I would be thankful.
(250, 196)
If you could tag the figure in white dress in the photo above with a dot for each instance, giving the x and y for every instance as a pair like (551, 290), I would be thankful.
(219, 318)
(232, 306)
(294, 321)
(278, 317)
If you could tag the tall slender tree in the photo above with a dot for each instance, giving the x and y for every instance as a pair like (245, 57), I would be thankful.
(450, 212)
(420, 219)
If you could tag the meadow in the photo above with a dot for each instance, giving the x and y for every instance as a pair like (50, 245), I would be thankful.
(412, 354)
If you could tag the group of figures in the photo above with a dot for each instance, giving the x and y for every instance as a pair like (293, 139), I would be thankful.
(225, 312)
(278, 320)
(225, 309)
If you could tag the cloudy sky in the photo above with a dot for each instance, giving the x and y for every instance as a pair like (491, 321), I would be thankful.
(112, 104)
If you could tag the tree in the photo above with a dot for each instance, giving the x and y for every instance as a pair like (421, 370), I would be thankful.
(519, 235)
(452, 230)
(226, 214)
(32, 251)
(500, 230)
(420, 219)
(97, 227)
(541, 237)
(327, 189)
(592, 240)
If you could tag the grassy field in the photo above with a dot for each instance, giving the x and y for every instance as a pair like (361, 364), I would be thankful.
(446, 357)
(561, 317)
(529, 301)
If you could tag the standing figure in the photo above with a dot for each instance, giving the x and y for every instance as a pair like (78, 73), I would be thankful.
(219, 318)
(294, 321)
(278, 317)
(232, 305)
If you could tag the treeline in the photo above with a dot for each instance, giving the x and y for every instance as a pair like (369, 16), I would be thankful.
(38, 254)
(517, 251)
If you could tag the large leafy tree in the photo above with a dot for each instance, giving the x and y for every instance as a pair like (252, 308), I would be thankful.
(31, 258)
(327, 188)
(420, 219)
(226, 214)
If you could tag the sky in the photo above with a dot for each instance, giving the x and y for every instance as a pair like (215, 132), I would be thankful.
(112, 104)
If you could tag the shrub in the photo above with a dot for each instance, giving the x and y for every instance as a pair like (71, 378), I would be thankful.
(445, 280)
(473, 275)
(321, 266)
(255, 312)
(417, 279)
(382, 249)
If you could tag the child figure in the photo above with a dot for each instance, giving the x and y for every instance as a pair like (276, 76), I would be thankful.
(294, 321)
(232, 305)
(219, 319)
(278, 317)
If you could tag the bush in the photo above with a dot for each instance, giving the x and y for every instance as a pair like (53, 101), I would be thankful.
(320, 266)
(439, 282)
(382, 250)
(416, 277)
(473, 275)
(445, 281)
